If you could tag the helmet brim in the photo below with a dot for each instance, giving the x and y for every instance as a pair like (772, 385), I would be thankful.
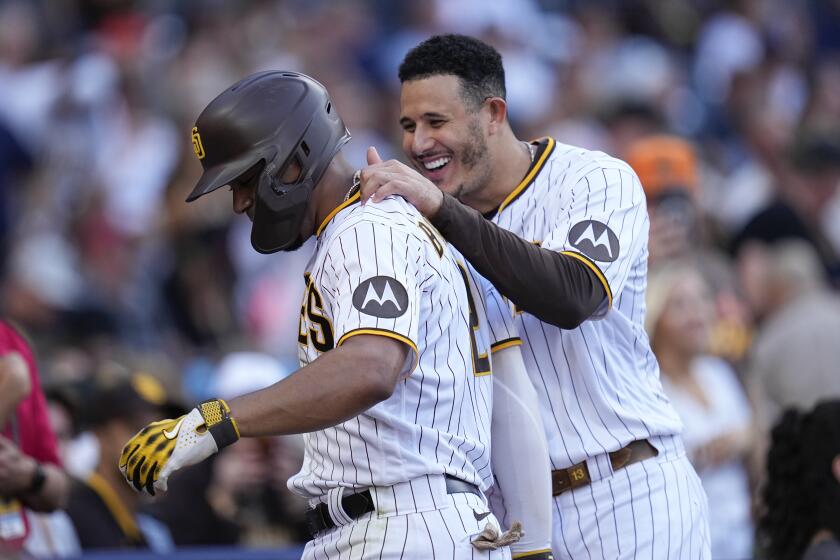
(219, 176)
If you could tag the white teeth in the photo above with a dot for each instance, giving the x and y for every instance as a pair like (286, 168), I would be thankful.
(438, 163)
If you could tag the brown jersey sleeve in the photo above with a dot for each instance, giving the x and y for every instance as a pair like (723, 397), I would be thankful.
(555, 288)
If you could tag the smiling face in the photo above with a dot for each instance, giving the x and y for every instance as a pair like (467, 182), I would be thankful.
(444, 137)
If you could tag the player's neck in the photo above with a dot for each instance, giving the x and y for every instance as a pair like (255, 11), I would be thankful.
(332, 188)
(510, 163)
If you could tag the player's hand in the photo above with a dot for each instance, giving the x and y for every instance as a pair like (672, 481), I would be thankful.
(493, 539)
(161, 448)
(381, 179)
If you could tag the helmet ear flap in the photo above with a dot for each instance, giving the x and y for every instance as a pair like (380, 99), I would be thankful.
(278, 212)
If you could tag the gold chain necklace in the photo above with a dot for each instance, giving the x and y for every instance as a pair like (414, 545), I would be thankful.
(357, 181)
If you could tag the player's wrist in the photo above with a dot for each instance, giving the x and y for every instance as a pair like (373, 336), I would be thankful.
(219, 422)
(435, 203)
(442, 212)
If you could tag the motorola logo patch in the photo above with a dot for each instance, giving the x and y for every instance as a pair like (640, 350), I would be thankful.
(595, 240)
(381, 296)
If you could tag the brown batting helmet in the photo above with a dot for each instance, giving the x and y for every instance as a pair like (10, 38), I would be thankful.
(270, 119)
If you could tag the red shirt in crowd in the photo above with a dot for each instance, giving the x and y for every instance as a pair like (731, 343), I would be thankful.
(34, 436)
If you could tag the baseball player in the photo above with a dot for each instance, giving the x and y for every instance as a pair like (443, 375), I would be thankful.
(563, 237)
(395, 390)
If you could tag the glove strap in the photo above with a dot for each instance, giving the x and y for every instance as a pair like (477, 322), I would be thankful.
(222, 427)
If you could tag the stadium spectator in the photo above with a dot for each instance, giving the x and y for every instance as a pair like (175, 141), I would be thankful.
(669, 169)
(800, 209)
(794, 360)
(801, 497)
(106, 513)
(709, 399)
(30, 472)
(52, 534)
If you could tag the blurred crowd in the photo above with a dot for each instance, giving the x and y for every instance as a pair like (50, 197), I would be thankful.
(129, 296)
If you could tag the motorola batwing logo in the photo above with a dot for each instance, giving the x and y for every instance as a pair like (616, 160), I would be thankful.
(595, 240)
(381, 296)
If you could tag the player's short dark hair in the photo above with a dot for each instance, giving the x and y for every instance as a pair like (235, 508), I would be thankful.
(477, 64)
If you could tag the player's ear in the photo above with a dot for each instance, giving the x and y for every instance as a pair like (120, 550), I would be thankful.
(497, 108)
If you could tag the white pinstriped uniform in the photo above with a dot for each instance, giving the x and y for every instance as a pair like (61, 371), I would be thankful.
(381, 269)
(599, 383)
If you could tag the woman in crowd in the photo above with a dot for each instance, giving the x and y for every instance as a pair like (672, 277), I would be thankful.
(708, 397)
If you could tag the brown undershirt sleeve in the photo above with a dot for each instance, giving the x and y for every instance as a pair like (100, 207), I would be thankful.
(555, 288)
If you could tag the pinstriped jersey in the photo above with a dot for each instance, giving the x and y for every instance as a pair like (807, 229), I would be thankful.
(381, 269)
(599, 383)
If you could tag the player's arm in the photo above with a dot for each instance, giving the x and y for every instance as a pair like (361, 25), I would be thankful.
(361, 370)
(337, 386)
(520, 453)
(555, 288)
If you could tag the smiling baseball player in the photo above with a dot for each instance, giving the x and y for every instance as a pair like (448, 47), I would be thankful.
(562, 233)
(395, 391)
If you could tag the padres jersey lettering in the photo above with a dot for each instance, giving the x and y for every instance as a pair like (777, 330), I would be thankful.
(314, 326)
(599, 383)
(382, 270)
(480, 358)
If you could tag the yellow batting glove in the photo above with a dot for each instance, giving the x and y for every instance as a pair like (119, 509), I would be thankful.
(163, 447)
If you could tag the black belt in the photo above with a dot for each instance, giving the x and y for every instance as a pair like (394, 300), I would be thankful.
(356, 505)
